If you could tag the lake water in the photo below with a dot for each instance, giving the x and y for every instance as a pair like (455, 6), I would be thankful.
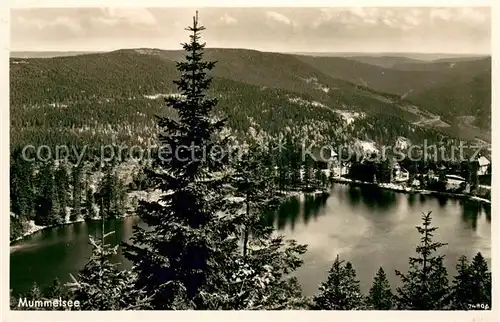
(367, 226)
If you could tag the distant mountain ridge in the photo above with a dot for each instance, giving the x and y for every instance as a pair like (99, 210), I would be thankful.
(328, 83)
(49, 54)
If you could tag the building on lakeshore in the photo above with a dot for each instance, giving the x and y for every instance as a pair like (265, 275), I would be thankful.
(483, 166)
(399, 174)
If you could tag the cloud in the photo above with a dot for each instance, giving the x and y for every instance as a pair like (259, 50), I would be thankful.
(228, 20)
(400, 18)
(324, 29)
(371, 21)
(134, 16)
(61, 22)
(278, 17)
(412, 20)
(475, 15)
(388, 22)
(441, 13)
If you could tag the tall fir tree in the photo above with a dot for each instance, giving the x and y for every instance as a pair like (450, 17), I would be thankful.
(106, 192)
(319, 176)
(380, 296)
(251, 184)
(308, 172)
(47, 205)
(76, 182)
(90, 212)
(425, 286)
(63, 189)
(294, 159)
(180, 258)
(259, 279)
(112, 194)
(272, 164)
(22, 194)
(480, 292)
(461, 286)
(283, 165)
(471, 287)
(101, 285)
(341, 290)
(119, 197)
(35, 293)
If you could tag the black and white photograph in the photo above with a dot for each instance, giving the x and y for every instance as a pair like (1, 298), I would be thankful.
(250, 159)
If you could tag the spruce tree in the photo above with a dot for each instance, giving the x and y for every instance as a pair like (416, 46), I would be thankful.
(47, 204)
(380, 296)
(62, 187)
(294, 158)
(118, 197)
(425, 286)
(180, 258)
(35, 293)
(251, 184)
(258, 279)
(261, 280)
(319, 176)
(101, 285)
(106, 193)
(461, 286)
(341, 290)
(22, 192)
(55, 291)
(76, 182)
(308, 173)
(471, 287)
(283, 169)
(480, 292)
(90, 212)
(272, 163)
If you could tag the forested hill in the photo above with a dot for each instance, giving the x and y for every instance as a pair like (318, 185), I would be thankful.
(113, 96)
(153, 70)
(450, 88)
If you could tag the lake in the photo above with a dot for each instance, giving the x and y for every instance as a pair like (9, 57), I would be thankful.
(364, 225)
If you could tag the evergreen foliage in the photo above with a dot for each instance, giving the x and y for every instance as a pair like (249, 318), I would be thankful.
(380, 296)
(425, 286)
(180, 259)
(341, 289)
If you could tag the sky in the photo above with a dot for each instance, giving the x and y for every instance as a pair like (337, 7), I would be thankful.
(353, 29)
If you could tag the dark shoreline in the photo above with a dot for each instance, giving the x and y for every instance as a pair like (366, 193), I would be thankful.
(413, 191)
(345, 181)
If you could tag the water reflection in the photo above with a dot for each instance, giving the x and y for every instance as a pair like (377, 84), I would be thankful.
(487, 211)
(470, 212)
(314, 203)
(411, 199)
(372, 196)
(289, 212)
(354, 195)
(442, 200)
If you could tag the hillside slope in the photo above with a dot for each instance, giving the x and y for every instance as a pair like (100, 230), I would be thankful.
(450, 88)
(127, 73)
(113, 97)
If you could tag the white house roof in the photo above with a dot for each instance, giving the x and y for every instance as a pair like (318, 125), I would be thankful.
(483, 161)
(452, 176)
